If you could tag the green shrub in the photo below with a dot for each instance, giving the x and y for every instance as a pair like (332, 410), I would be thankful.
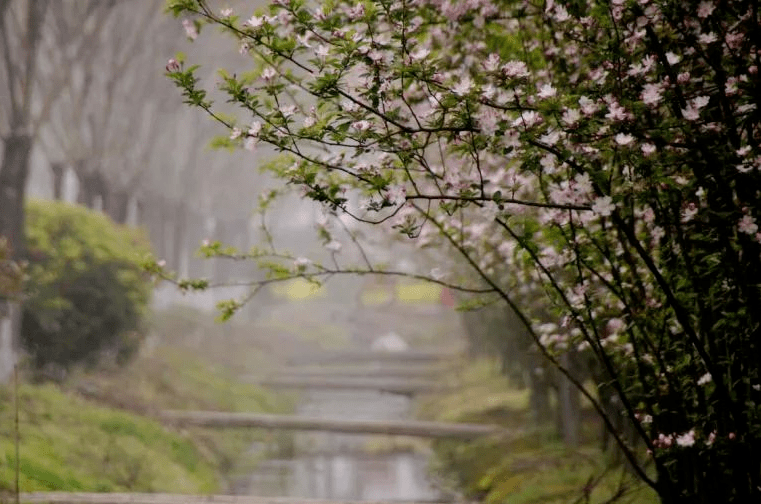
(86, 292)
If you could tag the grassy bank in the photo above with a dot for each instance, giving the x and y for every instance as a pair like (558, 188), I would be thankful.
(531, 467)
(69, 443)
(95, 430)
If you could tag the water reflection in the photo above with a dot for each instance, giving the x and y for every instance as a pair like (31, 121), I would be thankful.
(337, 466)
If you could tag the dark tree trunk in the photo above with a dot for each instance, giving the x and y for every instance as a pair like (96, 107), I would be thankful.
(116, 204)
(58, 170)
(569, 411)
(13, 174)
(539, 393)
(90, 187)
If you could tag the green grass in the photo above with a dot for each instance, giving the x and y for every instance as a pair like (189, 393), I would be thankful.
(68, 443)
(531, 467)
(95, 431)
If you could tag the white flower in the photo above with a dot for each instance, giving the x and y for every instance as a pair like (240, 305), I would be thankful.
(651, 94)
(546, 91)
(269, 73)
(255, 21)
(571, 117)
(672, 58)
(333, 246)
(515, 69)
(362, 125)
(603, 206)
(322, 51)
(255, 128)
(691, 113)
(420, 54)
(235, 133)
(708, 38)
(588, 106)
(190, 29)
(747, 225)
(687, 439)
(226, 12)
(301, 263)
(705, 8)
(706, 378)
(463, 87)
(624, 139)
(648, 149)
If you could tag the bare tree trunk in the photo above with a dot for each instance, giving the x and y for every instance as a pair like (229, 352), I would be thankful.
(57, 170)
(13, 174)
(569, 411)
(116, 204)
(10, 322)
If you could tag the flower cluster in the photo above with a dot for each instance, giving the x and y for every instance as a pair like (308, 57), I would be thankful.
(595, 165)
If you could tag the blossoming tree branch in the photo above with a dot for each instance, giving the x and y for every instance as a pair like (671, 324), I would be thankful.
(594, 165)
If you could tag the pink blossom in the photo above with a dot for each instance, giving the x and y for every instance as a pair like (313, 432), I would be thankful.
(648, 149)
(747, 225)
(528, 119)
(225, 13)
(651, 95)
(255, 128)
(731, 88)
(546, 91)
(269, 73)
(463, 87)
(624, 139)
(708, 38)
(687, 439)
(172, 66)
(190, 29)
(515, 69)
(603, 206)
(705, 8)
(588, 106)
(705, 379)
(235, 133)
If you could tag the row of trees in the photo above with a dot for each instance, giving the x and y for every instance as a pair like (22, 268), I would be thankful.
(84, 95)
(593, 165)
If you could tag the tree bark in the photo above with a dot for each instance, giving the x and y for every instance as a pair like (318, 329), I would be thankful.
(116, 204)
(57, 170)
(89, 188)
(569, 411)
(13, 174)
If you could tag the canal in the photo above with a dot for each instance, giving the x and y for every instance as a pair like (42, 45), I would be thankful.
(346, 466)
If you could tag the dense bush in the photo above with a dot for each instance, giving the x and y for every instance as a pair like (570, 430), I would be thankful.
(86, 293)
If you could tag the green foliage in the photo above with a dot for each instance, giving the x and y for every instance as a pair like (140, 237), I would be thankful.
(11, 272)
(532, 465)
(86, 292)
